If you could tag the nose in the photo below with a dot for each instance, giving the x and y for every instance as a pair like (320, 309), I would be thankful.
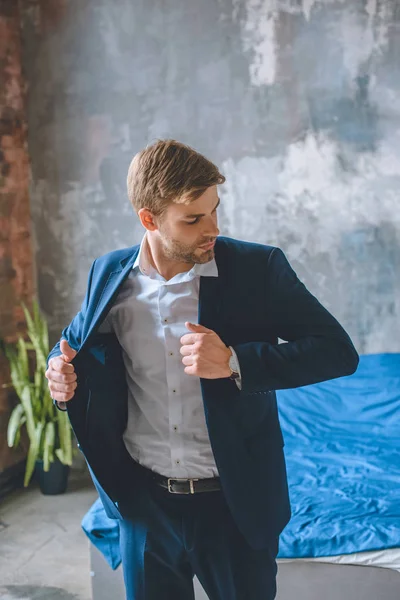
(211, 232)
(210, 235)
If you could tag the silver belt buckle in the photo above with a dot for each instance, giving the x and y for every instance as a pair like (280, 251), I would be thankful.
(181, 479)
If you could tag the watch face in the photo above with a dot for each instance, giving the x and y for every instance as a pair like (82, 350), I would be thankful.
(232, 363)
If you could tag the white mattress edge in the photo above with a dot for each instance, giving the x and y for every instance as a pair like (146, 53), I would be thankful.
(387, 559)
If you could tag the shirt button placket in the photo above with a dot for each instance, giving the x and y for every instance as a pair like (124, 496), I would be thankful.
(174, 407)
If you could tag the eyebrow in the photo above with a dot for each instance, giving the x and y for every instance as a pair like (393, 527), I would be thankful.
(202, 214)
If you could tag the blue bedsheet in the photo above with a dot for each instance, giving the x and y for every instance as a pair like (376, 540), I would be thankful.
(342, 448)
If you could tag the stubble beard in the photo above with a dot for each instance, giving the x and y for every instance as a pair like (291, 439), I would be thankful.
(176, 251)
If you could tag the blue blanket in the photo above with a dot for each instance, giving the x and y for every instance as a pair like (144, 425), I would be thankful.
(342, 448)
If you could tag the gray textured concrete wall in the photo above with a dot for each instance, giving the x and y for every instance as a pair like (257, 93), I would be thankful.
(296, 101)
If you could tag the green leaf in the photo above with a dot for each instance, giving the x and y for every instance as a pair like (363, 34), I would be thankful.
(65, 434)
(38, 333)
(18, 433)
(26, 401)
(33, 454)
(16, 377)
(14, 425)
(23, 359)
(60, 456)
(32, 331)
(49, 438)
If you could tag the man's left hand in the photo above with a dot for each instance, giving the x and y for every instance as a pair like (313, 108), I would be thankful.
(204, 353)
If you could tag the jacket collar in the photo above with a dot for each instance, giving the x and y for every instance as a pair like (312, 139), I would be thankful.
(210, 293)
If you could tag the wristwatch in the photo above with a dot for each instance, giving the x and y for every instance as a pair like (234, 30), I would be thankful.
(233, 365)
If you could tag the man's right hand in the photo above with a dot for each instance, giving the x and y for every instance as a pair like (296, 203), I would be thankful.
(61, 375)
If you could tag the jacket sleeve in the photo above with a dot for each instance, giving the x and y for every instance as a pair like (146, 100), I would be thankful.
(73, 332)
(316, 347)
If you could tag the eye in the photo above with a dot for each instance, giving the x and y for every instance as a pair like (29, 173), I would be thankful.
(197, 219)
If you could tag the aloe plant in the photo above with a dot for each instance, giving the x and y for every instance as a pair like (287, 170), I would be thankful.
(48, 429)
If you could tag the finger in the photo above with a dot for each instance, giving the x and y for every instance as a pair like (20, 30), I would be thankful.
(68, 352)
(66, 388)
(53, 375)
(62, 396)
(190, 370)
(188, 360)
(58, 364)
(186, 350)
(197, 327)
(189, 338)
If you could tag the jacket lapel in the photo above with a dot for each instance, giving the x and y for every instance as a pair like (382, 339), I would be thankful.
(210, 298)
(110, 290)
(211, 294)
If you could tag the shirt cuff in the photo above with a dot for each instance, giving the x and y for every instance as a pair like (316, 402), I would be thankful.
(238, 381)
(60, 405)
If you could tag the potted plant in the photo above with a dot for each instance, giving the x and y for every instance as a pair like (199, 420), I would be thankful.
(48, 429)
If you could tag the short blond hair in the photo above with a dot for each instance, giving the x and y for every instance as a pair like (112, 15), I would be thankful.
(169, 172)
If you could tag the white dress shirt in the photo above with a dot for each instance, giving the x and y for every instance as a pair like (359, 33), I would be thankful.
(166, 429)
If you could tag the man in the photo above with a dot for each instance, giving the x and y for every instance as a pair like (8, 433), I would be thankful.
(169, 372)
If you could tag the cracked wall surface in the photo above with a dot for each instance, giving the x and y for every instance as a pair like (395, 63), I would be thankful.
(296, 101)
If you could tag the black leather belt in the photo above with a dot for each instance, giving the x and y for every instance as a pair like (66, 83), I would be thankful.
(183, 486)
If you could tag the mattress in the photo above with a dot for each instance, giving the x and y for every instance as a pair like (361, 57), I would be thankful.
(387, 559)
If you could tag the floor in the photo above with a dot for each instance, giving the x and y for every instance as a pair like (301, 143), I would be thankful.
(44, 554)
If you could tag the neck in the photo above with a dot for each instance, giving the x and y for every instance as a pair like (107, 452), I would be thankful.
(166, 268)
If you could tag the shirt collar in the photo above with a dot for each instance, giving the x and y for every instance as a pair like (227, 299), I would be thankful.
(142, 263)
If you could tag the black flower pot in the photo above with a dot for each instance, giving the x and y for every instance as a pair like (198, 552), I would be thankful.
(55, 480)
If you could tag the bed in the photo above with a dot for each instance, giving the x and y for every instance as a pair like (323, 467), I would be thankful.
(300, 579)
(342, 449)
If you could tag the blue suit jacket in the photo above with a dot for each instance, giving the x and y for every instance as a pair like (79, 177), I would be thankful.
(256, 299)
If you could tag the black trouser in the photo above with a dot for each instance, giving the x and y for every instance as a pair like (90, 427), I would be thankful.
(173, 537)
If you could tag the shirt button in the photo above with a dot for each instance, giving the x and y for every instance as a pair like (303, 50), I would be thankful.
(171, 353)
(174, 391)
(178, 462)
(165, 320)
(175, 428)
